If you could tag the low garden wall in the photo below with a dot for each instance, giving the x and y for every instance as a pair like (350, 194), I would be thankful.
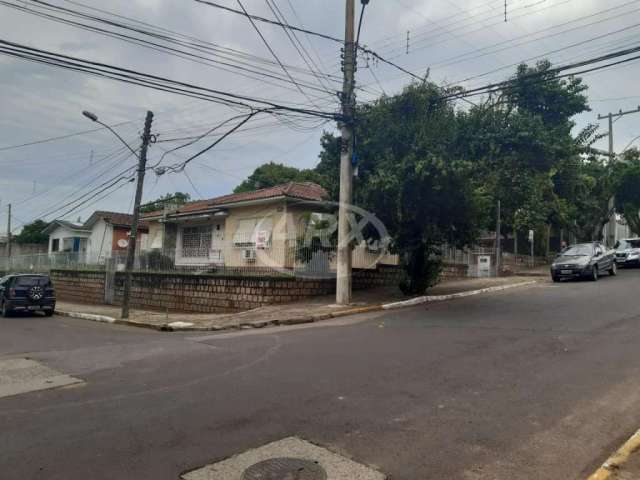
(207, 293)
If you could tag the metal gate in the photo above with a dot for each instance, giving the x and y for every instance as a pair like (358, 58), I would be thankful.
(110, 265)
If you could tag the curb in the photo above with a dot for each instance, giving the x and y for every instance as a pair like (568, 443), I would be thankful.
(440, 298)
(185, 327)
(617, 461)
(87, 316)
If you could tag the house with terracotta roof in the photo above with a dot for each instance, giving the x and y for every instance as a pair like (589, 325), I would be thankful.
(288, 226)
(96, 239)
(258, 228)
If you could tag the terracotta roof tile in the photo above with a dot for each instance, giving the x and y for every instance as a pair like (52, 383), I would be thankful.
(297, 190)
(114, 218)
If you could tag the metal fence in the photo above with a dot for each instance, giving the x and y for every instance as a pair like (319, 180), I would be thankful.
(293, 259)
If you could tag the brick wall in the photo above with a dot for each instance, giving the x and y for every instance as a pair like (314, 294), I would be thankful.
(79, 286)
(207, 293)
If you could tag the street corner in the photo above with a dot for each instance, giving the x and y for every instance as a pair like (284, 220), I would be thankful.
(23, 375)
(624, 464)
(288, 458)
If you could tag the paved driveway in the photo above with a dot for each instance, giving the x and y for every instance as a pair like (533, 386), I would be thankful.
(533, 383)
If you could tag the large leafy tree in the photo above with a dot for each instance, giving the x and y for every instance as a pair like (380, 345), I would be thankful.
(32, 233)
(271, 174)
(521, 138)
(627, 188)
(411, 176)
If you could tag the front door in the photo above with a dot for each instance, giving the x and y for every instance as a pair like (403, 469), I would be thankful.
(217, 243)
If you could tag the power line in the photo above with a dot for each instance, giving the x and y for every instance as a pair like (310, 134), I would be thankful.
(273, 53)
(241, 68)
(306, 31)
(297, 44)
(494, 87)
(147, 80)
(61, 137)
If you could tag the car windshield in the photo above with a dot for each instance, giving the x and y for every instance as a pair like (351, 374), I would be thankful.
(579, 250)
(626, 244)
(31, 281)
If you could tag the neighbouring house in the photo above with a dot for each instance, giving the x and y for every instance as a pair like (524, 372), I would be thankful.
(264, 228)
(102, 235)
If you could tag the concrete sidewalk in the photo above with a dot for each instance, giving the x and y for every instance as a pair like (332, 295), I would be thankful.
(320, 308)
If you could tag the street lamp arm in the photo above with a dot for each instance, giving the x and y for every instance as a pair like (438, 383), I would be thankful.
(119, 137)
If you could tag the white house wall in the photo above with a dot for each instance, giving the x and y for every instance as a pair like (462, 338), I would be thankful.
(100, 242)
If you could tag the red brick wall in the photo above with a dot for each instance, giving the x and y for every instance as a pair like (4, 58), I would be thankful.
(79, 286)
(207, 293)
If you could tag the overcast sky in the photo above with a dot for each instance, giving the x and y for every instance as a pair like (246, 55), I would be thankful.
(456, 39)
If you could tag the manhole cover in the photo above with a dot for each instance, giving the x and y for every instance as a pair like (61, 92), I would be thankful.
(285, 469)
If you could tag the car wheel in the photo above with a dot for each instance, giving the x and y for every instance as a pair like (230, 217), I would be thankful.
(614, 270)
(6, 312)
(555, 278)
(594, 274)
(48, 313)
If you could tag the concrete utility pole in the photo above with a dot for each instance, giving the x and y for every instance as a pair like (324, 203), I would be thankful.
(343, 280)
(611, 240)
(131, 249)
(498, 241)
(9, 233)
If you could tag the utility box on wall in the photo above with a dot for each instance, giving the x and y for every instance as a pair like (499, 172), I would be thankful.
(484, 266)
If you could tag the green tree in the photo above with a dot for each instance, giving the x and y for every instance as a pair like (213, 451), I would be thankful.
(33, 233)
(627, 188)
(172, 200)
(271, 174)
(411, 176)
(520, 139)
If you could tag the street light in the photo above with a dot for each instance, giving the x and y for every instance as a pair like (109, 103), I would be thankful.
(142, 165)
(94, 118)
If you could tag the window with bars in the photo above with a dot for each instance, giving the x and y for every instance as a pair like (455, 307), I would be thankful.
(196, 241)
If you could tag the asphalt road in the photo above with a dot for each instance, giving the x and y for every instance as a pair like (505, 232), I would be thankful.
(539, 382)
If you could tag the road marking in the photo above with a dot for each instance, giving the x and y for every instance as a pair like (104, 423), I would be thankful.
(22, 375)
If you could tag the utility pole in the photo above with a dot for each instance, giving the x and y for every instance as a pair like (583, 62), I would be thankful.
(131, 249)
(9, 234)
(343, 280)
(498, 241)
(611, 240)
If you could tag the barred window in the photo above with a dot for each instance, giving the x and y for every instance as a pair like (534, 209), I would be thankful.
(196, 241)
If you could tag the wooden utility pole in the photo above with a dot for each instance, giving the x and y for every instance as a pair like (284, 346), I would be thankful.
(131, 248)
(611, 234)
(343, 277)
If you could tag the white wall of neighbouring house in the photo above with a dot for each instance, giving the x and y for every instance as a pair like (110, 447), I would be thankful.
(99, 243)
(60, 233)
(155, 238)
(66, 240)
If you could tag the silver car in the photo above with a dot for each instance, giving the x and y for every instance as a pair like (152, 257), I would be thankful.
(628, 252)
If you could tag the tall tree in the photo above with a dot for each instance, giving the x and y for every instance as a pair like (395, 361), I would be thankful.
(271, 174)
(33, 233)
(411, 177)
(627, 189)
(520, 138)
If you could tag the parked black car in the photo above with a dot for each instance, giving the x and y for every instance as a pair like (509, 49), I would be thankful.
(27, 293)
(628, 252)
(584, 260)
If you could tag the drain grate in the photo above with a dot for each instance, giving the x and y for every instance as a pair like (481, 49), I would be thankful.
(285, 469)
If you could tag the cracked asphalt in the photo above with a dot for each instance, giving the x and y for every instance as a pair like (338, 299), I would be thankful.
(539, 382)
